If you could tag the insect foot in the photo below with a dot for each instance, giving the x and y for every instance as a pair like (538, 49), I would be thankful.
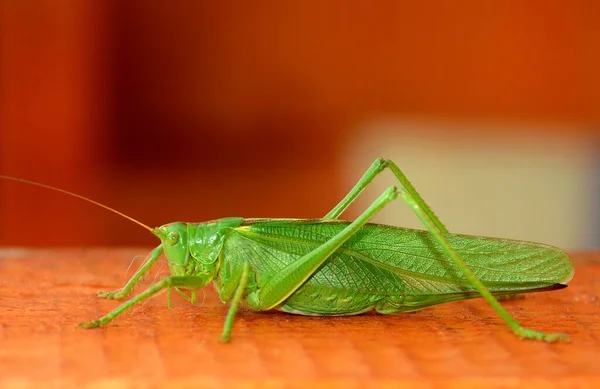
(114, 295)
(526, 333)
(90, 324)
(225, 338)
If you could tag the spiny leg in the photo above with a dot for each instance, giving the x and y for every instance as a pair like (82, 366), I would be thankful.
(235, 302)
(377, 167)
(514, 325)
(190, 282)
(290, 278)
(128, 288)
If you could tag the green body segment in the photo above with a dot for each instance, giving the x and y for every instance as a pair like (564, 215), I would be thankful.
(387, 268)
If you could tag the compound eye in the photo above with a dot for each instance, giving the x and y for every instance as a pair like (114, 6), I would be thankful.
(173, 238)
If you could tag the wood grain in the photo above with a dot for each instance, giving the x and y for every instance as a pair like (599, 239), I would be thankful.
(45, 293)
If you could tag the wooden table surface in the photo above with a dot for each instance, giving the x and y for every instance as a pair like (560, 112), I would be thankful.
(45, 293)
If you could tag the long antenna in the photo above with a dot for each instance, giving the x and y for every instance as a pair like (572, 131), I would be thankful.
(75, 195)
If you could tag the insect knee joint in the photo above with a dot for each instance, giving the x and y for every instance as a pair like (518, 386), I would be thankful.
(392, 192)
(381, 164)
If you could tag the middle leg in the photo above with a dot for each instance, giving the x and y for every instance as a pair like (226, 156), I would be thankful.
(189, 282)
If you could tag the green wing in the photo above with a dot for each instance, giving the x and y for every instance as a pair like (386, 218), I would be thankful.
(388, 260)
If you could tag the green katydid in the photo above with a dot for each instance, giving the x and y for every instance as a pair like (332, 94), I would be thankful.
(329, 267)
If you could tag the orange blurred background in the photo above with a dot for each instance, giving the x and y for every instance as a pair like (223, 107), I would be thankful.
(196, 110)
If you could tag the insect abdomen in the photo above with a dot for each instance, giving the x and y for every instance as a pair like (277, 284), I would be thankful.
(316, 301)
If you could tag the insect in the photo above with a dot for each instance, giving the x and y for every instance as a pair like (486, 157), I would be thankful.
(330, 267)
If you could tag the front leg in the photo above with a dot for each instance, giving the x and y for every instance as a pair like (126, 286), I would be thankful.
(128, 288)
(189, 282)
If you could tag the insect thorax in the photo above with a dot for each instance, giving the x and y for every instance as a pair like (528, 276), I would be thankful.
(205, 242)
